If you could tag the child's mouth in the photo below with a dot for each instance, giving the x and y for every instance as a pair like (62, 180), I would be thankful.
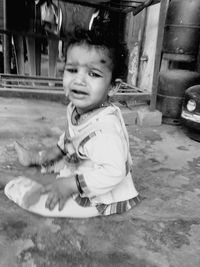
(78, 92)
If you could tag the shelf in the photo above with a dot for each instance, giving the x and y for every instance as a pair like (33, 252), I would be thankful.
(17, 85)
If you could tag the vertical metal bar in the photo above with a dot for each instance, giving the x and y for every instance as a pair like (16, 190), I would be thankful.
(162, 17)
(143, 24)
(6, 48)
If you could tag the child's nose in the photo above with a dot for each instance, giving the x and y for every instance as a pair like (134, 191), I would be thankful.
(80, 78)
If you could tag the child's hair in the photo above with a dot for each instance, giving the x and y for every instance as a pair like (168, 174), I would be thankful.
(118, 51)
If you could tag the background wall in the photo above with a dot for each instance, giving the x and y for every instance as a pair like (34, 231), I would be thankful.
(141, 34)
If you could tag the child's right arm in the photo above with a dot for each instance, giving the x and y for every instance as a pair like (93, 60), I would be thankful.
(54, 153)
(50, 155)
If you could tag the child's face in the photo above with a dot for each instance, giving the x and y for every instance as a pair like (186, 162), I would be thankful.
(87, 76)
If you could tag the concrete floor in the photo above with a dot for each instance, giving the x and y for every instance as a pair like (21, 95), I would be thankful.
(163, 231)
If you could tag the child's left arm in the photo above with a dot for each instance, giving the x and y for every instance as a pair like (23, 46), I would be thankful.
(109, 155)
(59, 191)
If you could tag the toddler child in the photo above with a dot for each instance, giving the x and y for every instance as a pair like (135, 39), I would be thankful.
(92, 158)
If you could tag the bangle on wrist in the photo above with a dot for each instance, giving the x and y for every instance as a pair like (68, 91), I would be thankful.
(62, 151)
(80, 190)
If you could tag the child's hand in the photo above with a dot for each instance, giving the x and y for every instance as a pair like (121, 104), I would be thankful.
(59, 191)
(48, 156)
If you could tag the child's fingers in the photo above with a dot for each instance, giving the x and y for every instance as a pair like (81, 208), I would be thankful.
(61, 203)
(51, 201)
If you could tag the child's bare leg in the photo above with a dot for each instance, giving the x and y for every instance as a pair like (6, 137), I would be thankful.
(26, 157)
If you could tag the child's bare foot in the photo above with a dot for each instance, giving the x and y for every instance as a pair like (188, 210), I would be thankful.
(24, 156)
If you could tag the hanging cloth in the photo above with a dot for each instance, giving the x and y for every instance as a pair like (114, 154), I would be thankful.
(51, 17)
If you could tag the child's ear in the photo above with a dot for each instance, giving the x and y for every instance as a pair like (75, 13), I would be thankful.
(115, 87)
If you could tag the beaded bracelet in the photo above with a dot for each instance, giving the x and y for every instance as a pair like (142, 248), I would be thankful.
(78, 184)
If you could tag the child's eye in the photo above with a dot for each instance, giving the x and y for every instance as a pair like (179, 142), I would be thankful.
(71, 70)
(94, 74)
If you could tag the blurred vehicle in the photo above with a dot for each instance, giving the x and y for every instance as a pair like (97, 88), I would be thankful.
(190, 115)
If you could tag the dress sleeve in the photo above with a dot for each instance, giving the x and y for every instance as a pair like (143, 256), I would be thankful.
(61, 142)
(109, 155)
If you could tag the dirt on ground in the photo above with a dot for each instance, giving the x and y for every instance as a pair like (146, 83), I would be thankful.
(163, 231)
